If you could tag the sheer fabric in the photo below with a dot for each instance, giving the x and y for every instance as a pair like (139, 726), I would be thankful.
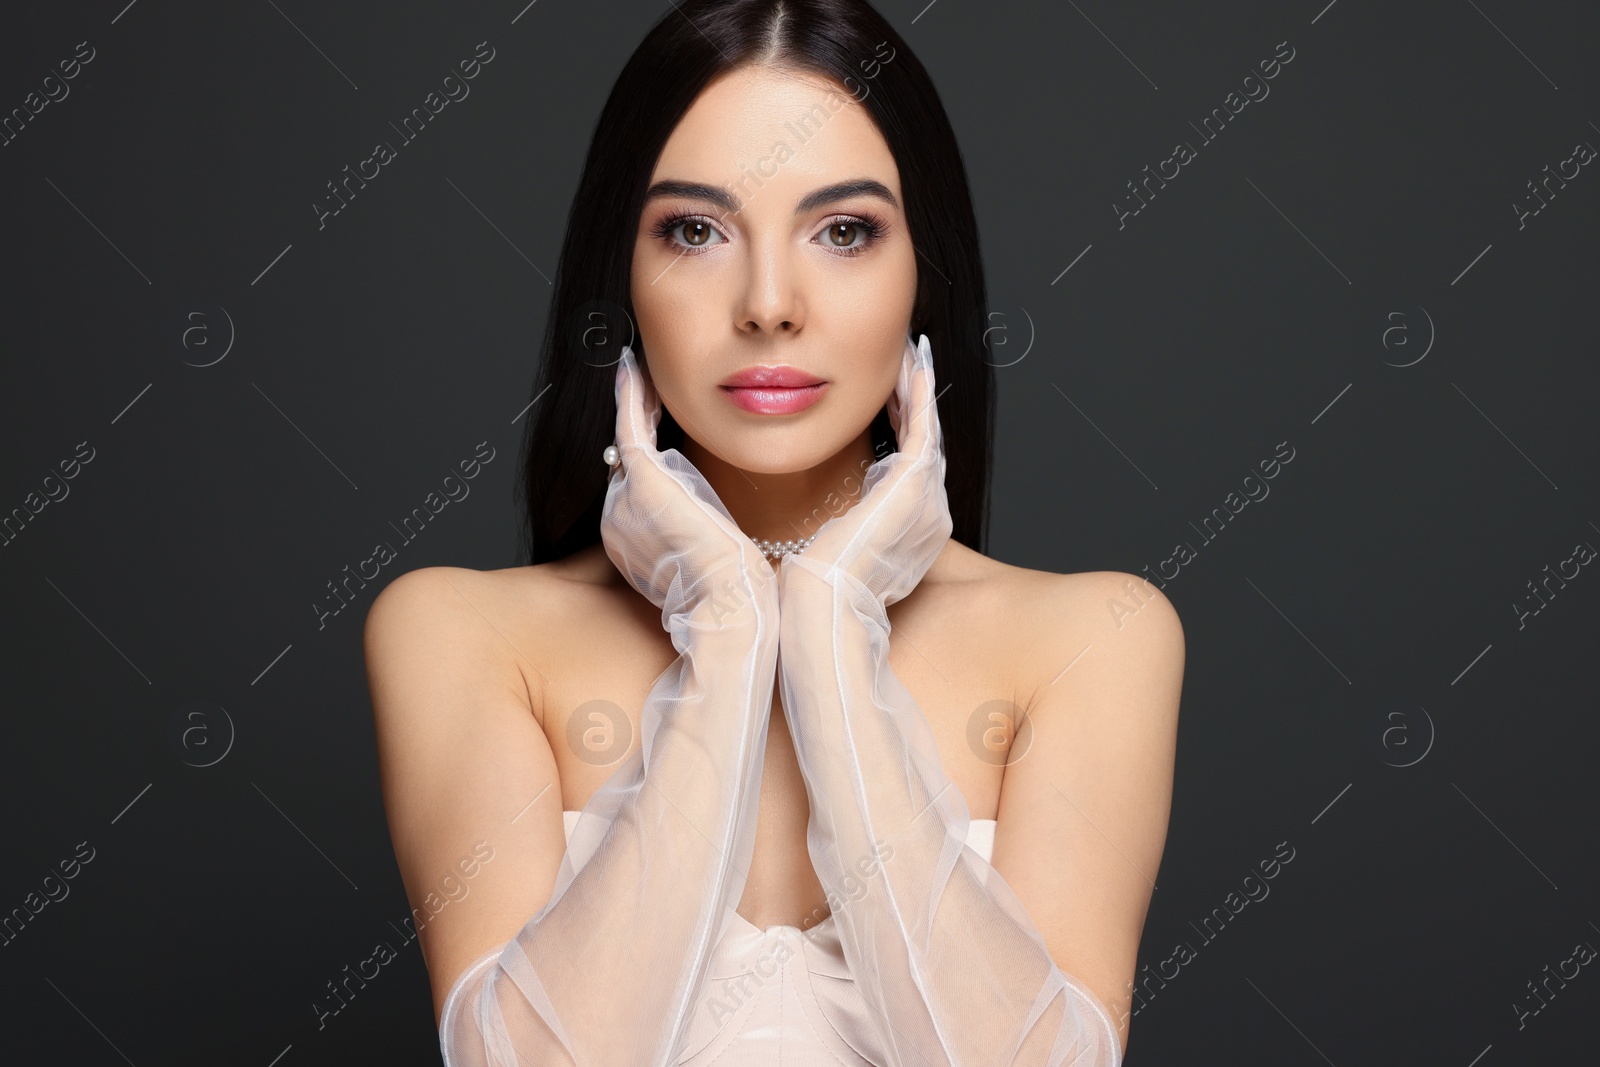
(605, 973)
(954, 970)
(936, 960)
(784, 994)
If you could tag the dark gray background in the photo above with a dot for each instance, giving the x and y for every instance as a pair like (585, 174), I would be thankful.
(1358, 618)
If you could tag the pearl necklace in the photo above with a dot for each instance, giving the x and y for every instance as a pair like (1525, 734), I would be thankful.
(778, 549)
(769, 549)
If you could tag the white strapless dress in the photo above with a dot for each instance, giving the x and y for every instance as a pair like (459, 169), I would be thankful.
(784, 995)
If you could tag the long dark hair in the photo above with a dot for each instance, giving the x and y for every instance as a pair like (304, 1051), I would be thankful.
(591, 310)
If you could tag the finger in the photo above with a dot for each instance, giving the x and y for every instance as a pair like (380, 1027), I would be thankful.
(622, 390)
(935, 432)
(632, 431)
(901, 398)
(621, 376)
(650, 402)
(922, 420)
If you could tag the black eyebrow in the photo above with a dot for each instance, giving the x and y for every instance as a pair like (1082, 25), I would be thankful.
(692, 191)
(843, 191)
(725, 200)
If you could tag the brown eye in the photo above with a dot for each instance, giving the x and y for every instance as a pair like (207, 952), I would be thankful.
(842, 233)
(698, 234)
(850, 235)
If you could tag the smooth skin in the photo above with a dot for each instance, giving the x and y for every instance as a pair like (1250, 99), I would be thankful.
(476, 676)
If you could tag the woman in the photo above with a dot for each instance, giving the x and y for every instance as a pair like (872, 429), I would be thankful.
(766, 797)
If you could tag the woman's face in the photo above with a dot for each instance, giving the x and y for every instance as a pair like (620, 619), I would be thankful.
(792, 252)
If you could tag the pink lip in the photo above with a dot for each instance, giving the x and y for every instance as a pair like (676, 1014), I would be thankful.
(773, 390)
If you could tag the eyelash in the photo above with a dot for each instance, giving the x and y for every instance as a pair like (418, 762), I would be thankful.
(874, 227)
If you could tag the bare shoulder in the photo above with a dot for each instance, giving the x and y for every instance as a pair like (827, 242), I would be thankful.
(508, 620)
(460, 592)
(436, 601)
(1052, 618)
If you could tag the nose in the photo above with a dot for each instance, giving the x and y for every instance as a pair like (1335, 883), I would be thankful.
(772, 302)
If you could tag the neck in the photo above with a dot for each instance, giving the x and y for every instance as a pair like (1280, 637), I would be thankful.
(790, 506)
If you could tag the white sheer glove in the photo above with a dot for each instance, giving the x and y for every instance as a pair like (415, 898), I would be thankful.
(605, 974)
(951, 967)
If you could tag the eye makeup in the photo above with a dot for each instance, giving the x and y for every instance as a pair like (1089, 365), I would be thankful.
(865, 228)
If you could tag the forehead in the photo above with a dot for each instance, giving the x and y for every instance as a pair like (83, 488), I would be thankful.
(800, 125)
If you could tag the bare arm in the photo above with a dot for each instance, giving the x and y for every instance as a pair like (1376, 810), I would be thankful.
(1084, 805)
(462, 758)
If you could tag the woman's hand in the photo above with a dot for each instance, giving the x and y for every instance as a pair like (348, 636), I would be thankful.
(951, 967)
(663, 525)
(890, 538)
(609, 972)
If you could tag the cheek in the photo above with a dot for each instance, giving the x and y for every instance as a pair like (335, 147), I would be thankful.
(874, 312)
(878, 303)
(641, 276)
(673, 313)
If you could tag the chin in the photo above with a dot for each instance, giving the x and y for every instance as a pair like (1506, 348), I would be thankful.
(783, 457)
